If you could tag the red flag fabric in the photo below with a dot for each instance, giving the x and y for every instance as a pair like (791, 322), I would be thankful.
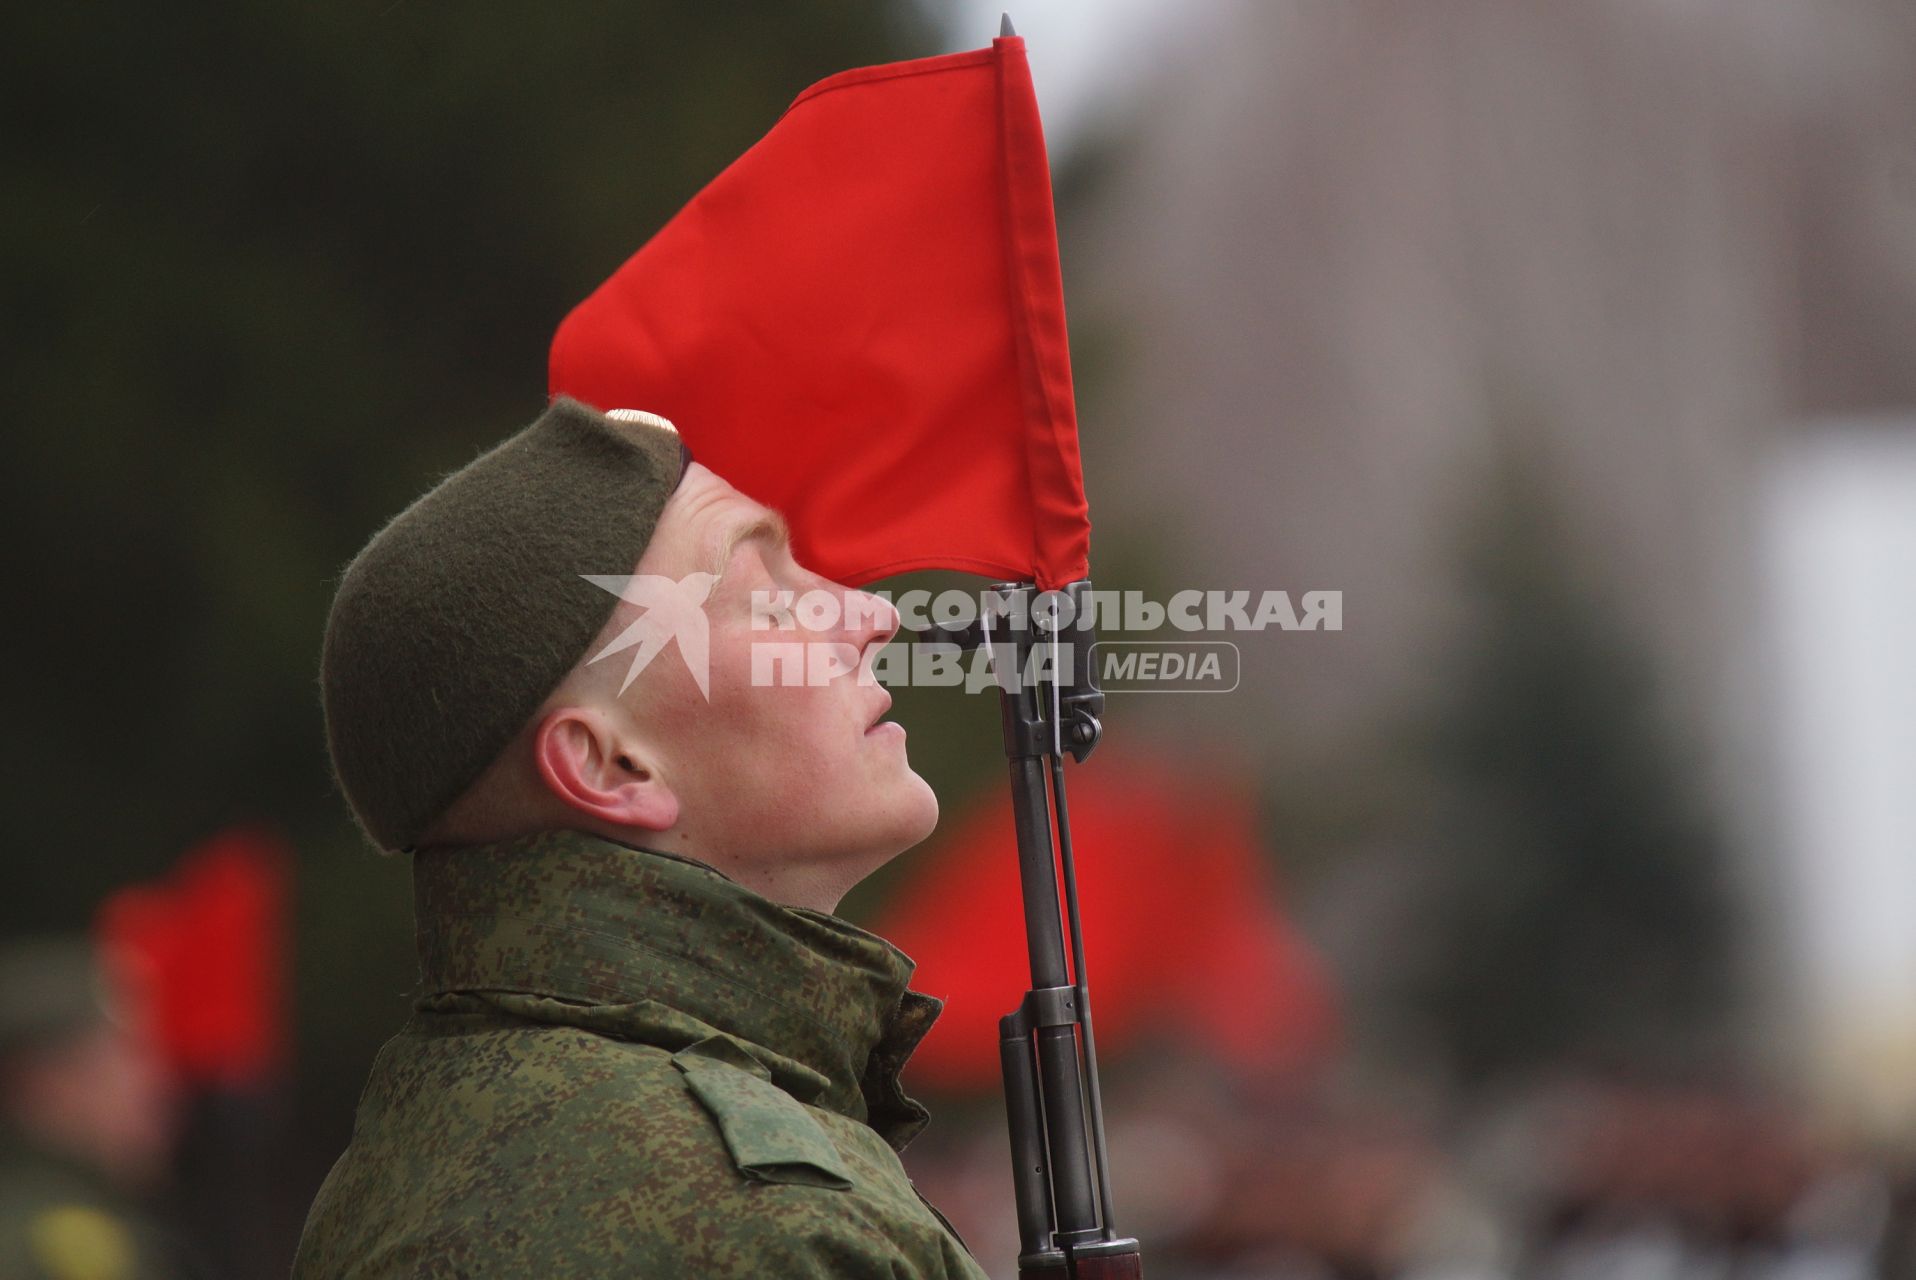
(1181, 927)
(861, 323)
(206, 947)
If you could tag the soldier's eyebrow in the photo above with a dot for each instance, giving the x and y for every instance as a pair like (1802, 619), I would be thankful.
(768, 524)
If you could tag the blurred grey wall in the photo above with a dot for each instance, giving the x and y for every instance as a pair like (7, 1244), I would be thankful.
(1359, 249)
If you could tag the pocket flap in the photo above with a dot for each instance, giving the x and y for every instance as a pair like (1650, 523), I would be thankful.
(770, 1135)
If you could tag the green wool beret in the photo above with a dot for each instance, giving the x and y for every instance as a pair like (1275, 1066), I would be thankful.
(453, 624)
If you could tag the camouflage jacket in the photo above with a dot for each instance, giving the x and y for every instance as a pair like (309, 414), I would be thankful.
(624, 1063)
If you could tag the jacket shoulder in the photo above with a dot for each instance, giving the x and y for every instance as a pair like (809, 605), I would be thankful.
(473, 1134)
(522, 1149)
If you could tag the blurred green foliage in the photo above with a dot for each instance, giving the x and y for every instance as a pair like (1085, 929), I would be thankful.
(1578, 917)
(270, 269)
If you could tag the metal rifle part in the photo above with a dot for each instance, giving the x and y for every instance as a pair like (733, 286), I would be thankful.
(1054, 1108)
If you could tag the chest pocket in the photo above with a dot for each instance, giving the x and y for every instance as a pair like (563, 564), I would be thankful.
(770, 1135)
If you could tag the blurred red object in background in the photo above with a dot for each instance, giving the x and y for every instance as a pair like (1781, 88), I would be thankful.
(1182, 930)
(206, 949)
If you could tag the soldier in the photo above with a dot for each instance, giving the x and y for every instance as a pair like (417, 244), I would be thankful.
(644, 1045)
(87, 1122)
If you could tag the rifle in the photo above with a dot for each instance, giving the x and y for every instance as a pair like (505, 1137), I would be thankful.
(1047, 1049)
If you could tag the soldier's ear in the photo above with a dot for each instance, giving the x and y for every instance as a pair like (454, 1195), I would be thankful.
(591, 768)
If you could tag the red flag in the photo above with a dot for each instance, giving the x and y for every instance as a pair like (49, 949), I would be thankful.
(860, 322)
(206, 947)
(1180, 923)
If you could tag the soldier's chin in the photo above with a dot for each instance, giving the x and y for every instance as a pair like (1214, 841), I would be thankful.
(918, 809)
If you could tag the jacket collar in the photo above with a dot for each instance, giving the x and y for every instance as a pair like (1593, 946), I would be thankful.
(658, 948)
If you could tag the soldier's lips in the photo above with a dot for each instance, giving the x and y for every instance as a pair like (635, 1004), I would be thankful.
(884, 727)
(878, 719)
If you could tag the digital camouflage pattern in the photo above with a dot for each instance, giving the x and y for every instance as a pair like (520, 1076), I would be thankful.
(624, 1063)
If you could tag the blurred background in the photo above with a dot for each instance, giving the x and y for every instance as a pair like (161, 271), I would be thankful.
(1554, 918)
